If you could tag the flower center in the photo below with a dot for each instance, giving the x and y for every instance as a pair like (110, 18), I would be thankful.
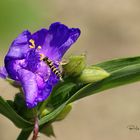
(54, 68)
(33, 44)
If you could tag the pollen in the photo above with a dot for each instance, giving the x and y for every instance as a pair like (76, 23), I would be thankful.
(41, 56)
(32, 43)
(39, 47)
(30, 46)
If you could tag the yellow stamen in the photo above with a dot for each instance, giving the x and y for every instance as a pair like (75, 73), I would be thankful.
(32, 43)
(31, 46)
(39, 47)
(42, 56)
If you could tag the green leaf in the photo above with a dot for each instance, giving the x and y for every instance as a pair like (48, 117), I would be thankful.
(24, 134)
(116, 64)
(21, 108)
(62, 92)
(52, 115)
(64, 113)
(48, 130)
(9, 112)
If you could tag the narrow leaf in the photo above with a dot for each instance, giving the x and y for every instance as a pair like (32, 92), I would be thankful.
(7, 111)
(52, 115)
(24, 135)
(48, 130)
(119, 77)
(116, 64)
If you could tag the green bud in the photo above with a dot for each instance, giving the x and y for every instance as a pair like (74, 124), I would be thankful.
(64, 113)
(93, 74)
(75, 65)
(45, 111)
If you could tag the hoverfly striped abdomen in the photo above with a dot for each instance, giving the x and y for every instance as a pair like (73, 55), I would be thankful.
(53, 68)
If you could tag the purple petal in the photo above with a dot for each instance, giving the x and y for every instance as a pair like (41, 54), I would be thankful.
(3, 73)
(46, 91)
(19, 46)
(16, 54)
(39, 37)
(12, 66)
(55, 41)
(32, 60)
(58, 40)
(53, 79)
(60, 34)
(28, 81)
(43, 70)
(74, 33)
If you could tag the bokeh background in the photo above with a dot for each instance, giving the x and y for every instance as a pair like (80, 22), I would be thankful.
(110, 29)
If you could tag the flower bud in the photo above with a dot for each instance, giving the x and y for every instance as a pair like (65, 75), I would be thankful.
(46, 111)
(93, 74)
(75, 65)
(64, 113)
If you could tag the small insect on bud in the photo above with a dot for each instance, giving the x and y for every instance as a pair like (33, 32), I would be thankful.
(93, 74)
(75, 65)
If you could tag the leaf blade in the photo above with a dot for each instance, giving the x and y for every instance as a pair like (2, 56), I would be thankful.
(116, 64)
(7, 111)
(120, 77)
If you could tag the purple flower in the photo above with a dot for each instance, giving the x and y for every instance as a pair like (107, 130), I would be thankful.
(24, 63)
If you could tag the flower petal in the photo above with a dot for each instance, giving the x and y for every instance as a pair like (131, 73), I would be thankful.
(19, 46)
(12, 66)
(46, 91)
(60, 34)
(39, 37)
(32, 60)
(3, 73)
(43, 70)
(58, 40)
(74, 33)
(55, 41)
(28, 81)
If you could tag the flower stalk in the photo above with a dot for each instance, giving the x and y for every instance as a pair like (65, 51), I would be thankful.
(36, 129)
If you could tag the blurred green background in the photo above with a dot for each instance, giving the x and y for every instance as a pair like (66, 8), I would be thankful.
(110, 29)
